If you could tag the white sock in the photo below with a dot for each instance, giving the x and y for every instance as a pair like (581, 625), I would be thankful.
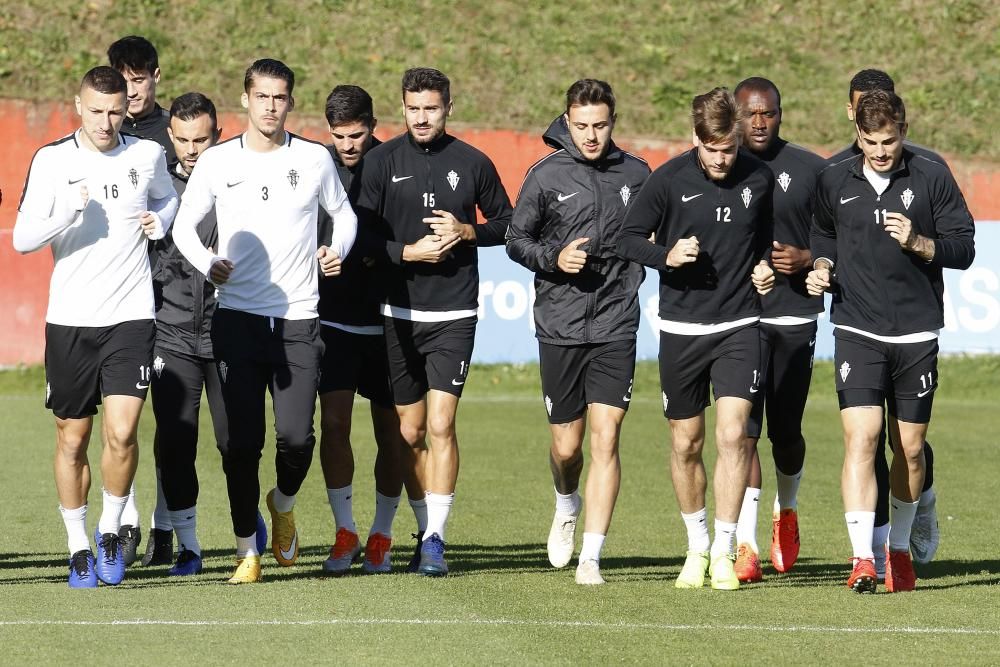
(343, 508)
(900, 523)
(927, 497)
(725, 539)
(569, 504)
(880, 538)
(281, 502)
(788, 490)
(419, 508)
(385, 512)
(592, 545)
(746, 527)
(185, 523)
(697, 530)
(860, 528)
(438, 508)
(111, 514)
(130, 516)
(161, 513)
(246, 546)
(75, 521)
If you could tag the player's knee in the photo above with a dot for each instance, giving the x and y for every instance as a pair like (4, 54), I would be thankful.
(413, 435)
(296, 437)
(440, 426)
(72, 446)
(686, 447)
(732, 437)
(120, 436)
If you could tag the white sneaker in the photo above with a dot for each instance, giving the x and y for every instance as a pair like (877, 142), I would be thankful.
(588, 573)
(924, 535)
(561, 535)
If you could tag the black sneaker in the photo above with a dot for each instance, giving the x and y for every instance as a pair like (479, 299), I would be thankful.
(131, 537)
(414, 565)
(159, 548)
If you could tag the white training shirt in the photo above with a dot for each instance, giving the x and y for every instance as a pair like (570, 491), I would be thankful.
(266, 207)
(101, 275)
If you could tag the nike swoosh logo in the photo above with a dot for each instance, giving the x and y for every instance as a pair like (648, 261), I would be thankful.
(627, 399)
(562, 197)
(753, 391)
(458, 384)
(397, 179)
(687, 198)
(925, 392)
(233, 185)
(844, 201)
(141, 386)
(77, 180)
(287, 555)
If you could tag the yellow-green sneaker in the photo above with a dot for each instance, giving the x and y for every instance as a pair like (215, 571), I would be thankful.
(724, 574)
(693, 573)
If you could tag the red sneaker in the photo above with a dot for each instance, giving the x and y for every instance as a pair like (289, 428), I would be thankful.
(785, 540)
(899, 574)
(747, 565)
(863, 579)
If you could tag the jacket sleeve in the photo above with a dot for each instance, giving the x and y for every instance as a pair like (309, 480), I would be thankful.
(955, 246)
(333, 199)
(163, 199)
(197, 203)
(765, 229)
(369, 210)
(823, 235)
(524, 232)
(495, 206)
(643, 218)
(46, 210)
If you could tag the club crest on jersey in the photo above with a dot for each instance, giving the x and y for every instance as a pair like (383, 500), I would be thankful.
(907, 198)
(548, 405)
(784, 180)
(158, 365)
(293, 178)
(747, 196)
(625, 193)
(223, 370)
(133, 177)
(845, 370)
(453, 179)
(666, 401)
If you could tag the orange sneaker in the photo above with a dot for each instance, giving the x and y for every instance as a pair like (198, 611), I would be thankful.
(377, 554)
(747, 565)
(899, 574)
(345, 550)
(863, 579)
(785, 540)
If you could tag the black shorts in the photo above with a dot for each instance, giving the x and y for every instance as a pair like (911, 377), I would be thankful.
(872, 372)
(729, 359)
(574, 376)
(428, 355)
(786, 361)
(355, 362)
(82, 364)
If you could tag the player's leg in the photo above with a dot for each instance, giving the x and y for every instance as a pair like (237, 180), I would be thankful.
(176, 388)
(293, 384)
(925, 535)
(880, 533)
(388, 477)
(562, 371)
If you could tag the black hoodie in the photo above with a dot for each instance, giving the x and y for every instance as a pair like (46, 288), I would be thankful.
(565, 197)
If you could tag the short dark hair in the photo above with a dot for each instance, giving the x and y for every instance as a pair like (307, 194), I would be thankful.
(105, 80)
(349, 104)
(134, 53)
(191, 105)
(272, 68)
(868, 80)
(590, 91)
(878, 109)
(418, 79)
(758, 84)
(716, 116)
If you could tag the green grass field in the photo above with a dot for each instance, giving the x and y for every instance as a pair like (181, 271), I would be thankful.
(503, 603)
(511, 62)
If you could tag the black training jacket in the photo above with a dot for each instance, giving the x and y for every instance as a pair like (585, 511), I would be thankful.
(881, 288)
(354, 296)
(401, 184)
(796, 172)
(153, 126)
(565, 197)
(185, 300)
(732, 221)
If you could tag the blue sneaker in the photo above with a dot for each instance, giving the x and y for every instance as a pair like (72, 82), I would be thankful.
(263, 546)
(81, 570)
(432, 562)
(188, 563)
(414, 565)
(110, 561)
